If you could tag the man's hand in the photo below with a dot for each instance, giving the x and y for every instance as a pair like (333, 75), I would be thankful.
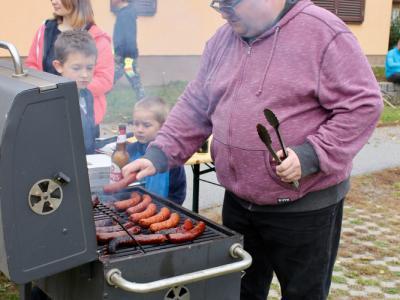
(290, 169)
(142, 166)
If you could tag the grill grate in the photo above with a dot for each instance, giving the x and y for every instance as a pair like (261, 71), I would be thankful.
(211, 232)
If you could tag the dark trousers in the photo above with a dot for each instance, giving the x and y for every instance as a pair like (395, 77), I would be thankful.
(394, 78)
(38, 294)
(300, 248)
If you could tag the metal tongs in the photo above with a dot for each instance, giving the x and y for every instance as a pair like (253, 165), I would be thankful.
(266, 138)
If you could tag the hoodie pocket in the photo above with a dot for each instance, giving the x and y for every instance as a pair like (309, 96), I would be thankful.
(271, 168)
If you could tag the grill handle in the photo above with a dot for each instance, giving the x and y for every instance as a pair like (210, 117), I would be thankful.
(114, 276)
(19, 71)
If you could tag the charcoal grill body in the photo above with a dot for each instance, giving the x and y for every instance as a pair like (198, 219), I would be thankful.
(45, 210)
(88, 281)
(157, 262)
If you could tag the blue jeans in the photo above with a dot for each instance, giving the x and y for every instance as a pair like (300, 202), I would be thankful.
(300, 248)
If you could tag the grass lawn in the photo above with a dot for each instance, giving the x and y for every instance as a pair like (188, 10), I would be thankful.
(390, 116)
(8, 291)
(379, 73)
(120, 100)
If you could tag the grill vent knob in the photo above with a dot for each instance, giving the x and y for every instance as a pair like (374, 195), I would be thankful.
(45, 197)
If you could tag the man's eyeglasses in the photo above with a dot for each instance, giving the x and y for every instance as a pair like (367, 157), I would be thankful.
(225, 6)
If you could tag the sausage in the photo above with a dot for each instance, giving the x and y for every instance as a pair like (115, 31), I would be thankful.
(136, 195)
(161, 216)
(117, 186)
(142, 239)
(125, 204)
(104, 237)
(187, 225)
(141, 206)
(148, 212)
(114, 228)
(187, 236)
(173, 221)
(95, 201)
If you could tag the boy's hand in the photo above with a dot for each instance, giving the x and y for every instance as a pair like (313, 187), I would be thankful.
(290, 169)
(143, 167)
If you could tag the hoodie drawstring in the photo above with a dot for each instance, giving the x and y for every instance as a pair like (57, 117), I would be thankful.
(261, 87)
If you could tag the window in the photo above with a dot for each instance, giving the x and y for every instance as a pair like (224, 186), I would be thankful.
(350, 11)
(146, 7)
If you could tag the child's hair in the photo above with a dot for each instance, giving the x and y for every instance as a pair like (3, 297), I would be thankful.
(81, 13)
(73, 41)
(156, 105)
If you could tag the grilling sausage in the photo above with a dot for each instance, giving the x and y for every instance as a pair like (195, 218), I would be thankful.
(95, 201)
(148, 212)
(188, 235)
(125, 204)
(186, 226)
(141, 206)
(104, 237)
(161, 216)
(173, 221)
(117, 186)
(142, 239)
(113, 228)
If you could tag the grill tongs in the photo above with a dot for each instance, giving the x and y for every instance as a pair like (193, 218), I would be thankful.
(266, 138)
(109, 213)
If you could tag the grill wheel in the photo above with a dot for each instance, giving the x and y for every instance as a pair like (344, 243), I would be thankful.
(178, 293)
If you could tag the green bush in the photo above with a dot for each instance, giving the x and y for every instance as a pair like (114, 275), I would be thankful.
(394, 32)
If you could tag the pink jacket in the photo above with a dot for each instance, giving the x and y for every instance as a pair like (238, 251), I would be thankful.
(103, 73)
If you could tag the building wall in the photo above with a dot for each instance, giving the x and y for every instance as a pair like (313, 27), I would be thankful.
(176, 34)
(180, 27)
(373, 33)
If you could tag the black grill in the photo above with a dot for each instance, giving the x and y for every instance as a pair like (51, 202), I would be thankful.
(47, 228)
(152, 262)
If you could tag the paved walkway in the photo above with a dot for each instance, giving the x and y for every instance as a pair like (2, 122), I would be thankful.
(364, 274)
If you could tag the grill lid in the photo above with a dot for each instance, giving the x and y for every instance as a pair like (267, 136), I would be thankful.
(46, 218)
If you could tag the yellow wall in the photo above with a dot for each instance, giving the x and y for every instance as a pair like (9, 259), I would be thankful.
(180, 27)
(373, 33)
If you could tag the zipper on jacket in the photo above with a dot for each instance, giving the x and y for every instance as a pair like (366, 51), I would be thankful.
(249, 50)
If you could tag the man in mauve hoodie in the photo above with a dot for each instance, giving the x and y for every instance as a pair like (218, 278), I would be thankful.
(304, 64)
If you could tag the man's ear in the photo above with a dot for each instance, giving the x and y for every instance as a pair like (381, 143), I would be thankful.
(58, 66)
